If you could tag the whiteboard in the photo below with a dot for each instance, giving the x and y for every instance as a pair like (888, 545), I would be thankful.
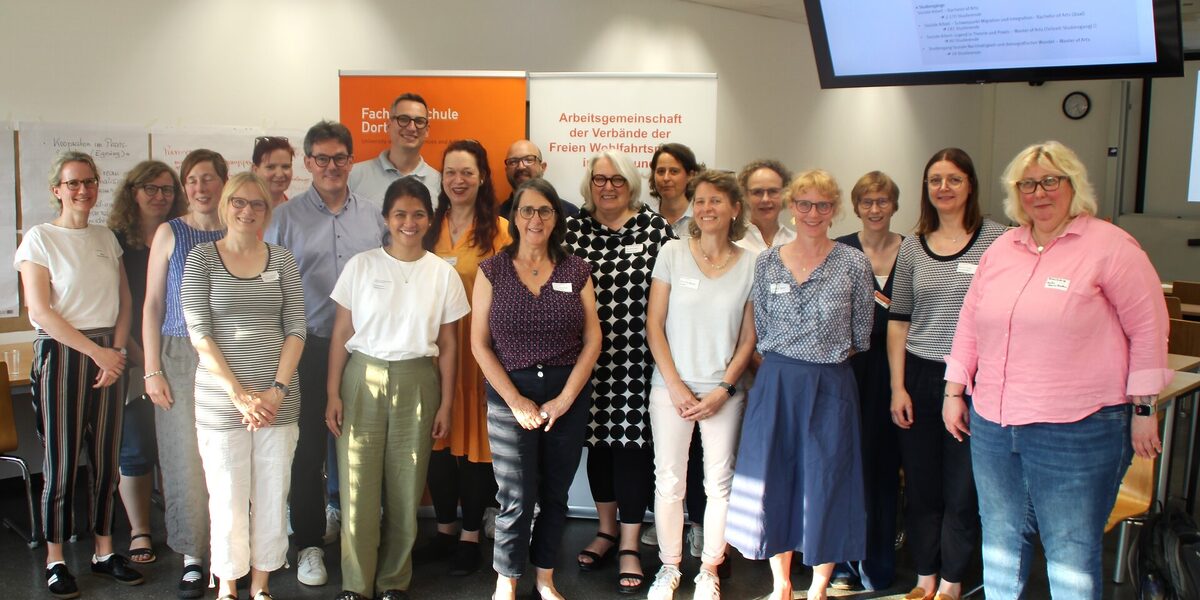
(9, 299)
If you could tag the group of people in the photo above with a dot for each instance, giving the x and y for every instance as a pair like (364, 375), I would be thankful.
(396, 326)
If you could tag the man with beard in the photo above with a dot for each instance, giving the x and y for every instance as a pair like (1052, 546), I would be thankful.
(522, 163)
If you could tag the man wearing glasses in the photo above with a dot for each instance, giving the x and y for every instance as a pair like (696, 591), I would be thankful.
(323, 228)
(522, 163)
(408, 128)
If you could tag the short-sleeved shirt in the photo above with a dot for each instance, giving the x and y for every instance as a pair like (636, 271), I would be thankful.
(543, 329)
(85, 272)
(704, 318)
(186, 238)
(323, 242)
(928, 289)
(248, 319)
(398, 307)
(822, 319)
(370, 179)
(753, 240)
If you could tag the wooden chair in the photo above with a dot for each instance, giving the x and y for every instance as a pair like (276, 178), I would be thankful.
(1184, 337)
(8, 444)
(1188, 292)
(1134, 501)
(1174, 307)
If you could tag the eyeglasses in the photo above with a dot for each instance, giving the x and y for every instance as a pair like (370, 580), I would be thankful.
(269, 138)
(74, 184)
(403, 121)
(953, 181)
(167, 191)
(772, 193)
(323, 160)
(1048, 183)
(868, 203)
(543, 212)
(616, 180)
(524, 161)
(259, 206)
(823, 208)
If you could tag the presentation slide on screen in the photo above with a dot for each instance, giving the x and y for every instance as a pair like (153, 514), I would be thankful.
(914, 36)
(1194, 172)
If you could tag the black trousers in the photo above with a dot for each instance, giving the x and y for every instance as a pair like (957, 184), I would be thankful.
(624, 474)
(534, 467)
(941, 508)
(307, 495)
(695, 500)
(454, 478)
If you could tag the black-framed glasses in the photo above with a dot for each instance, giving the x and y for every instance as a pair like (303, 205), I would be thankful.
(524, 161)
(773, 193)
(1048, 183)
(263, 139)
(259, 206)
(804, 206)
(323, 160)
(73, 185)
(869, 203)
(167, 191)
(954, 181)
(543, 212)
(403, 121)
(617, 181)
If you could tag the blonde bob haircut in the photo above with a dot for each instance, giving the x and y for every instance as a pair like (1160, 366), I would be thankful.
(724, 183)
(620, 161)
(819, 181)
(233, 185)
(1052, 156)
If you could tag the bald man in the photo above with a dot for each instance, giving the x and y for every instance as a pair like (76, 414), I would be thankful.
(522, 163)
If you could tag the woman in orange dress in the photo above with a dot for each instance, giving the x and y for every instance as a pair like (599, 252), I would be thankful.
(465, 231)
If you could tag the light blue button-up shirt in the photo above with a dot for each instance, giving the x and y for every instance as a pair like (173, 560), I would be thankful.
(323, 242)
(370, 179)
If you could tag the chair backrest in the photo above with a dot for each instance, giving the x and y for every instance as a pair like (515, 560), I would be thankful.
(8, 425)
(1174, 307)
(1136, 493)
(1188, 292)
(1184, 337)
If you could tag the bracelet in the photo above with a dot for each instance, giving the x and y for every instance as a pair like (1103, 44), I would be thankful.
(147, 376)
(952, 395)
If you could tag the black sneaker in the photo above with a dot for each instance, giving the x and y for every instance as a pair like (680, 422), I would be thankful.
(440, 548)
(118, 568)
(465, 560)
(60, 582)
(191, 587)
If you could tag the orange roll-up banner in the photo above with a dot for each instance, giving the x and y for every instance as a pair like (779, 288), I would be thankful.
(488, 106)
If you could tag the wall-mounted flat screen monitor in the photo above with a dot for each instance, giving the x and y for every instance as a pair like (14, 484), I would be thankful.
(916, 42)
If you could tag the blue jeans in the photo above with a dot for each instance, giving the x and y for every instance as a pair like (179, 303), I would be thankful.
(1054, 480)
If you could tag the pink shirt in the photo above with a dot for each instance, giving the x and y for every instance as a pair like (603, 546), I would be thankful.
(1055, 336)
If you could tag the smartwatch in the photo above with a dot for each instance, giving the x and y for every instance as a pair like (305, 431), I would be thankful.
(727, 387)
(1143, 410)
(280, 387)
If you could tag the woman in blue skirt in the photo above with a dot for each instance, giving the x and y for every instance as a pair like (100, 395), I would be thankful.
(798, 483)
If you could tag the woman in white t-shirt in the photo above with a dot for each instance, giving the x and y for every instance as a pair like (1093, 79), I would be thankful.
(78, 300)
(392, 362)
(701, 331)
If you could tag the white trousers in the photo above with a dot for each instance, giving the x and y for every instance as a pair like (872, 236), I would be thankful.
(248, 476)
(672, 439)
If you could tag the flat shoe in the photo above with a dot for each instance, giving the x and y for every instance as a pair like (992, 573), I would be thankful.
(142, 556)
(918, 593)
(117, 567)
(639, 577)
(597, 560)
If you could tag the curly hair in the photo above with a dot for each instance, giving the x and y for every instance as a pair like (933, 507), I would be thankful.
(126, 217)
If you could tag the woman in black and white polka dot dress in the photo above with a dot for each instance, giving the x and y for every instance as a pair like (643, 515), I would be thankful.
(620, 237)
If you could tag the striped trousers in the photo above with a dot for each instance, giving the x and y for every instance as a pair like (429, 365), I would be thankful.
(73, 416)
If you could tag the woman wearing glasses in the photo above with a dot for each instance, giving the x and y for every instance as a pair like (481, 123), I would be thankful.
(798, 486)
(1064, 321)
(244, 306)
(465, 231)
(171, 360)
(149, 195)
(272, 158)
(875, 199)
(621, 238)
(764, 182)
(78, 300)
(536, 336)
(933, 271)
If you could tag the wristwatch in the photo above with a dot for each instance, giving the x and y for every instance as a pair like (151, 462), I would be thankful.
(1143, 410)
(727, 387)
(281, 387)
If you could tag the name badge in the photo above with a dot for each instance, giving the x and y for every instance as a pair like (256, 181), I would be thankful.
(451, 260)
(690, 283)
(381, 284)
(634, 249)
(780, 288)
(270, 276)
(101, 254)
(561, 287)
(882, 300)
(967, 268)
(1057, 283)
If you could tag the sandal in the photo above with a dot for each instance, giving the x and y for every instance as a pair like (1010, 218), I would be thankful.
(639, 577)
(145, 555)
(597, 560)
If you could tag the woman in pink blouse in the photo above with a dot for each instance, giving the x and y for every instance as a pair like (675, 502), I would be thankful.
(1062, 345)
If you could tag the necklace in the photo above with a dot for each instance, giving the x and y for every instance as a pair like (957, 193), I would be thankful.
(533, 268)
(710, 262)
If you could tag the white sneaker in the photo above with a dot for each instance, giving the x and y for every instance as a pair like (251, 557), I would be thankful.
(333, 525)
(696, 540)
(665, 582)
(649, 535)
(489, 521)
(708, 586)
(310, 566)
